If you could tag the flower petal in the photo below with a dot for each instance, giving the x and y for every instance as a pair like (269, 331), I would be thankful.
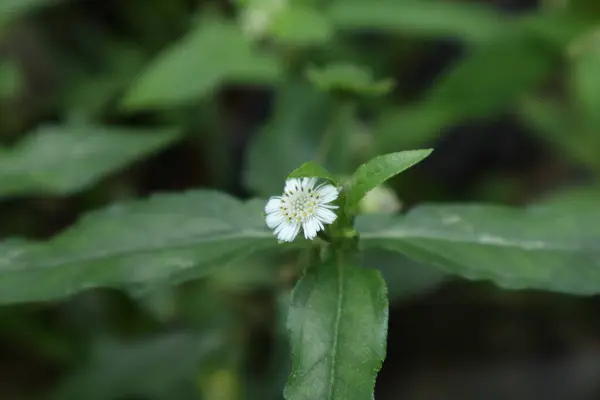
(311, 228)
(287, 231)
(308, 229)
(308, 183)
(325, 216)
(273, 205)
(275, 219)
(328, 193)
(293, 185)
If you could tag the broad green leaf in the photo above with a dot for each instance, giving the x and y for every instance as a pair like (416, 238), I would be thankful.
(214, 53)
(546, 247)
(350, 79)
(491, 77)
(299, 25)
(338, 326)
(64, 159)
(162, 240)
(424, 18)
(311, 169)
(381, 168)
(290, 137)
(573, 197)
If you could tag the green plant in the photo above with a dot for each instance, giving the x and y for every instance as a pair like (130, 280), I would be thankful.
(169, 277)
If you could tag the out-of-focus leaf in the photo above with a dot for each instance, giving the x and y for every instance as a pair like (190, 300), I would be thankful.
(548, 117)
(64, 159)
(12, 9)
(300, 25)
(489, 78)
(269, 382)
(162, 240)
(554, 122)
(11, 79)
(546, 247)
(557, 28)
(223, 384)
(252, 272)
(338, 327)
(404, 277)
(573, 197)
(122, 370)
(213, 53)
(289, 139)
(348, 78)
(411, 127)
(378, 170)
(311, 169)
(424, 18)
(89, 93)
(585, 81)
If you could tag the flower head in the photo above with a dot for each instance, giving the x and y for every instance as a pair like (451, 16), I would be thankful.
(302, 205)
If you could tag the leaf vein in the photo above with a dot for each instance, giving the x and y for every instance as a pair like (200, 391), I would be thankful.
(336, 327)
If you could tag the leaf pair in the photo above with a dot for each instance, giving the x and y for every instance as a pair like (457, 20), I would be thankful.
(368, 176)
(339, 311)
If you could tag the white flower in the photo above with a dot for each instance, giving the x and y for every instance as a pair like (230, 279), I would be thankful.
(302, 205)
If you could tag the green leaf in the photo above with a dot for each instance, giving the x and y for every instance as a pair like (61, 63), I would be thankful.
(551, 247)
(299, 25)
(585, 82)
(213, 53)
(491, 77)
(338, 326)
(411, 126)
(551, 119)
(381, 168)
(548, 117)
(424, 18)
(91, 93)
(404, 277)
(557, 27)
(11, 79)
(289, 138)
(165, 239)
(64, 159)
(348, 78)
(311, 169)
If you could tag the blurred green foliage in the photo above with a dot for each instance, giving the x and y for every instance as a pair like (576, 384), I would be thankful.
(112, 291)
